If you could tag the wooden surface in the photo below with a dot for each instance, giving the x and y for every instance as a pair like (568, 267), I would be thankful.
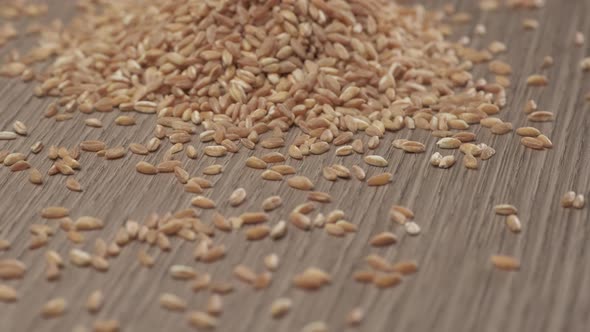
(456, 288)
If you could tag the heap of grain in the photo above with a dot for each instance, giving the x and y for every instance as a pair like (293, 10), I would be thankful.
(243, 68)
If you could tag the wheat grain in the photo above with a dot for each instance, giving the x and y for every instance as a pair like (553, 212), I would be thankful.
(506, 263)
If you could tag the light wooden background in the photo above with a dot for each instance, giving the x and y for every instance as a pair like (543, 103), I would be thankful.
(456, 288)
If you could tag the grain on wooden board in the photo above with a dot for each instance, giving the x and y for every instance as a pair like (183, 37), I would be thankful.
(355, 316)
(172, 302)
(54, 307)
(505, 209)
(380, 179)
(300, 182)
(271, 203)
(513, 223)
(383, 239)
(8, 293)
(280, 307)
(506, 263)
(579, 202)
(55, 212)
(95, 301)
(202, 320)
(315, 326)
(387, 280)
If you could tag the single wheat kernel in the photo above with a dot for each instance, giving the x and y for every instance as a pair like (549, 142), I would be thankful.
(257, 232)
(271, 262)
(8, 294)
(537, 80)
(172, 302)
(146, 168)
(279, 230)
(95, 301)
(567, 200)
(280, 307)
(505, 209)
(506, 263)
(513, 223)
(387, 280)
(578, 202)
(300, 182)
(447, 161)
(405, 267)
(73, 184)
(54, 212)
(528, 131)
(237, 197)
(375, 160)
(202, 320)
(271, 203)
(380, 179)
(54, 308)
(383, 239)
(125, 120)
(532, 143)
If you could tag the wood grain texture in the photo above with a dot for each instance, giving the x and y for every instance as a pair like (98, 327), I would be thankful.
(456, 288)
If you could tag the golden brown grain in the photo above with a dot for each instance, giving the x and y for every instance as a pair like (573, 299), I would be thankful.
(505, 209)
(383, 239)
(172, 302)
(380, 179)
(54, 308)
(506, 263)
(579, 202)
(95, 301)
(513, 223)
(300, 182)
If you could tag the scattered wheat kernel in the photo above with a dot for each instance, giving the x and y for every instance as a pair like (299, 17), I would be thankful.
(110, 325)
(567, 200)
(412, 228)
(364, 276)
(172, 302)
(80, 258)
(540, 116)
(86, 223)
(95, 301)
(355, 317)
(237, 197)
(213, 169)
(271, 175)
(505, 209)
(271, 262)
(532, 143)
(300, 182)
(203, 202)
(54, 308)
(93, 122)
(447, 161)
(37, 147)
(12, 269)
(311, 279)
(54, 212)
(272, 203)
(380, 179)
(279, 230)
(387, 280)
(215, 305)
(578, 202)
(546, 141)
(146, 168)
(405, 267)
(528, 131)
(530, 24)
(182, 272)
(257, 232)
(280, 307)
(300, 220)
(73, 184)
(383, 239)
(7, 135)
(317, 326)
(202, 320)
(513, 223)
(499, 67)
(115, 153)
(8, 294)
(125, 120)
(375, 160)
(378, 263)
(501, 128)
(537, 80)
(506, 263)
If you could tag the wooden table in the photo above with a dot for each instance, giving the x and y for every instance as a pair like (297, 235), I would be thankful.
(456, 288)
